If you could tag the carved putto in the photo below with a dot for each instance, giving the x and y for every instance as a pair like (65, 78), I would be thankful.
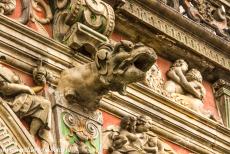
(134, 136)
(113, 68)
(26, 104)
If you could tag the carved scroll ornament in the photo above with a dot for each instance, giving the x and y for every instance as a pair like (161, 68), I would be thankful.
(112, 69)
(29, 12)
(95, 14)
(7, 6)
(134, 136)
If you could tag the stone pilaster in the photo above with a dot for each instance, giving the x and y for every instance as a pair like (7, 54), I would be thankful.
(222, 95)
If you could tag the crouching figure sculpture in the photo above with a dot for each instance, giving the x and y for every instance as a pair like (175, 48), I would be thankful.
(113, 68)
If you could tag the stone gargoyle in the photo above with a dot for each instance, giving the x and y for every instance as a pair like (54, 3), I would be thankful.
(112, 69)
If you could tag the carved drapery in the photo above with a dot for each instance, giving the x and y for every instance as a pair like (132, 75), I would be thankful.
(26, 104)
(222, 95)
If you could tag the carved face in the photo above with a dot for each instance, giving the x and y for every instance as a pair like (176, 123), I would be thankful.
(127, 63)
(181, 63)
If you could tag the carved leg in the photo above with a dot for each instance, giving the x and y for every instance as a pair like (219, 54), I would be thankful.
(35, 126)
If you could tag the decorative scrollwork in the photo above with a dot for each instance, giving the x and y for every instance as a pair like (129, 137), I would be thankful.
(7, 6)
(92, 129)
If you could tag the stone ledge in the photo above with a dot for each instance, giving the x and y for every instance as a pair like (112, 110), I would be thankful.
(172, 121)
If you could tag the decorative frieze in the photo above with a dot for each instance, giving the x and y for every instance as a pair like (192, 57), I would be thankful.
(222, 94)
(174, 32)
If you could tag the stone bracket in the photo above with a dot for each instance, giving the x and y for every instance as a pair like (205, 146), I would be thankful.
(81, 35)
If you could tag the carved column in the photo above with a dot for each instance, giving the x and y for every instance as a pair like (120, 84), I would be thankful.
(222, 95)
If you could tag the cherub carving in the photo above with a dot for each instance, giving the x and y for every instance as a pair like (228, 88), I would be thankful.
(26, 104)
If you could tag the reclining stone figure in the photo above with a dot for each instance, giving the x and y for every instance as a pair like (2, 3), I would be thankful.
(113, 68)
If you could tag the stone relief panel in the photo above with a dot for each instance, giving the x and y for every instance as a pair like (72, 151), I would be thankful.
(134, 136)
(24, 102)
(83, 135)
(7, 142)
(184, 86)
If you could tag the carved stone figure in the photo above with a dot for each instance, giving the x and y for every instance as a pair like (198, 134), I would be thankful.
(7, 6)
(113, 68)
(134, 137)
(26, 104)
(186, 87)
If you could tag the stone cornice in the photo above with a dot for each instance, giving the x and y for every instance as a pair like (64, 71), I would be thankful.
(175, 28)
(172, 121)
(22, 47)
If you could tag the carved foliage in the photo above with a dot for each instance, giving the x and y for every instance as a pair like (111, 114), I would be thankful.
(203, 11)
(30, 10)
(82, 134)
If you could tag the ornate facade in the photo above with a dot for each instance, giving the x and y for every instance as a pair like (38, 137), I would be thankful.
(114, 76)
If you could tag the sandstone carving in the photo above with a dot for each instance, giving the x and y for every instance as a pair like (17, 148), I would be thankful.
(186, 87)
(29, 13)
(7, 6)
(90, 20)
(134, 137)
(202, 11)
(26, 104)
(113, 68)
